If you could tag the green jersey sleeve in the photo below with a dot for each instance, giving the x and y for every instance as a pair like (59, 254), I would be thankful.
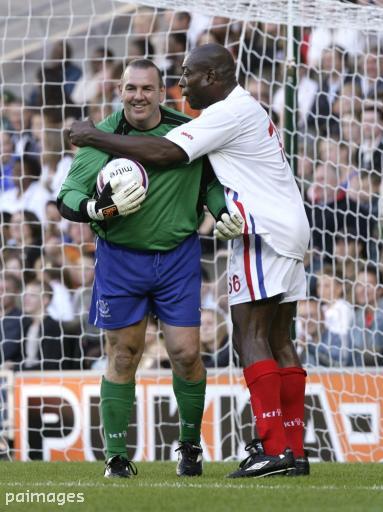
(80, 184)
(212, 192)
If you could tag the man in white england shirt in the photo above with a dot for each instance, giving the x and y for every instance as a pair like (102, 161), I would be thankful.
(266, 274)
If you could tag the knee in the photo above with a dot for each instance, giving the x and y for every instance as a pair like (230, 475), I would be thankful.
(252, 349)
(185, 357)
(285, 353)
(124, 360)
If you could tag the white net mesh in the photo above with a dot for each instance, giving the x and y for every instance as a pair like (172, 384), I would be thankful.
(366, 15)
(62, 60)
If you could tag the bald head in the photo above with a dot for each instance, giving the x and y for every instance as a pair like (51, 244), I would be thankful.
(208, 75)
(214, 56)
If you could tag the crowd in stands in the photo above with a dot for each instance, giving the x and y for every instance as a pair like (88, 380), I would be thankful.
(47, 263)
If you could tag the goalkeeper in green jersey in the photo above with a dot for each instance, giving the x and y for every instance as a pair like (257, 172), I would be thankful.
(147, 262)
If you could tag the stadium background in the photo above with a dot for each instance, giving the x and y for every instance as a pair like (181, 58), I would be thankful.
(53, 415)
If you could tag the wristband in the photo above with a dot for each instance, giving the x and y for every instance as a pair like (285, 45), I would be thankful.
(91, 210)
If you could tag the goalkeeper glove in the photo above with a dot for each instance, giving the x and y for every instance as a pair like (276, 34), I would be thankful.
(115, 200)
(230, 226)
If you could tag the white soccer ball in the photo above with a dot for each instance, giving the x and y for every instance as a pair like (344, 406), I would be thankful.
(129, 170)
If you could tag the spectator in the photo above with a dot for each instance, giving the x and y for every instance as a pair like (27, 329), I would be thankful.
(337, 312)
(28, 193)
(366, 336)
(60, 61)
(176, 48)
(45, 347)
(91, 84)
(10, 345)
(56, 160)
(330, 210)
(215, 346)
(322, 118)
(138, 47)
(263, 51)
(80, 241)
(371, 69)
(341, 155)
(349, 250)
(350, 132)
(52, 98)
(144, 22)
(364, 189)
(199, 23)
(37, 129)
(26, 235)
(349, 99)
(10, 321)
(307, 89)
(16, 120)
(12, 118)
(206, 37)
(223, 29)
(7, 161)
(90, 342)
(55, 226)
(322, 38)
(155, 355)
(61, 56)
(177, 21)
(316, 344)
(12, 263)
(5, 226)
(49, 270)
(371, 149)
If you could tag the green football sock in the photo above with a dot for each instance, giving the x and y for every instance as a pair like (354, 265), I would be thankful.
(116, 408)
(190, 398)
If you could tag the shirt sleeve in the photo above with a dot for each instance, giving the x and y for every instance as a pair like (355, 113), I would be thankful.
(209, 132)
(80, 184)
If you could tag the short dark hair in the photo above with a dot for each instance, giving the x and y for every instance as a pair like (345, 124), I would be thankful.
(145, 64)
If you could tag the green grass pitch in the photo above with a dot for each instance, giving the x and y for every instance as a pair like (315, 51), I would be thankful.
(330, 487)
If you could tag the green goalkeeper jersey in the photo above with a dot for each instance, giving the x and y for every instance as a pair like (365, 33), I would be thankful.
(173, 208)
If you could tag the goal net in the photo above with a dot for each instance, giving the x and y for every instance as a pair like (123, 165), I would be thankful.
(62, 60)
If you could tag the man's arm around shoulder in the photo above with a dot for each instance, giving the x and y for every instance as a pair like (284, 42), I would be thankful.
(148, 150)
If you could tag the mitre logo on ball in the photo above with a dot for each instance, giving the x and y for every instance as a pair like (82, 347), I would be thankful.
(129, 170)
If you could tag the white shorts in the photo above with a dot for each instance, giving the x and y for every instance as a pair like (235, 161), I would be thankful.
(257, 272)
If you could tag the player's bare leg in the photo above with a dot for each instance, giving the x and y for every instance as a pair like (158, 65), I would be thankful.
(124, 349)
(252, 325)
(252, 322)
(281, 344)
(293, 379)
(189, 384)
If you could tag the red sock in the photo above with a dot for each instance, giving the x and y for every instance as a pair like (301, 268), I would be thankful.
(293, 406)
(264, 382)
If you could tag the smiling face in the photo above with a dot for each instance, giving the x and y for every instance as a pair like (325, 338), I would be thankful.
(141, 94)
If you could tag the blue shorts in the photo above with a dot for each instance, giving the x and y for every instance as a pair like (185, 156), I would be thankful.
(129, 284)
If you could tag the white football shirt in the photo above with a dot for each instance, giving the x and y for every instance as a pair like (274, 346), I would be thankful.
(247, 156)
